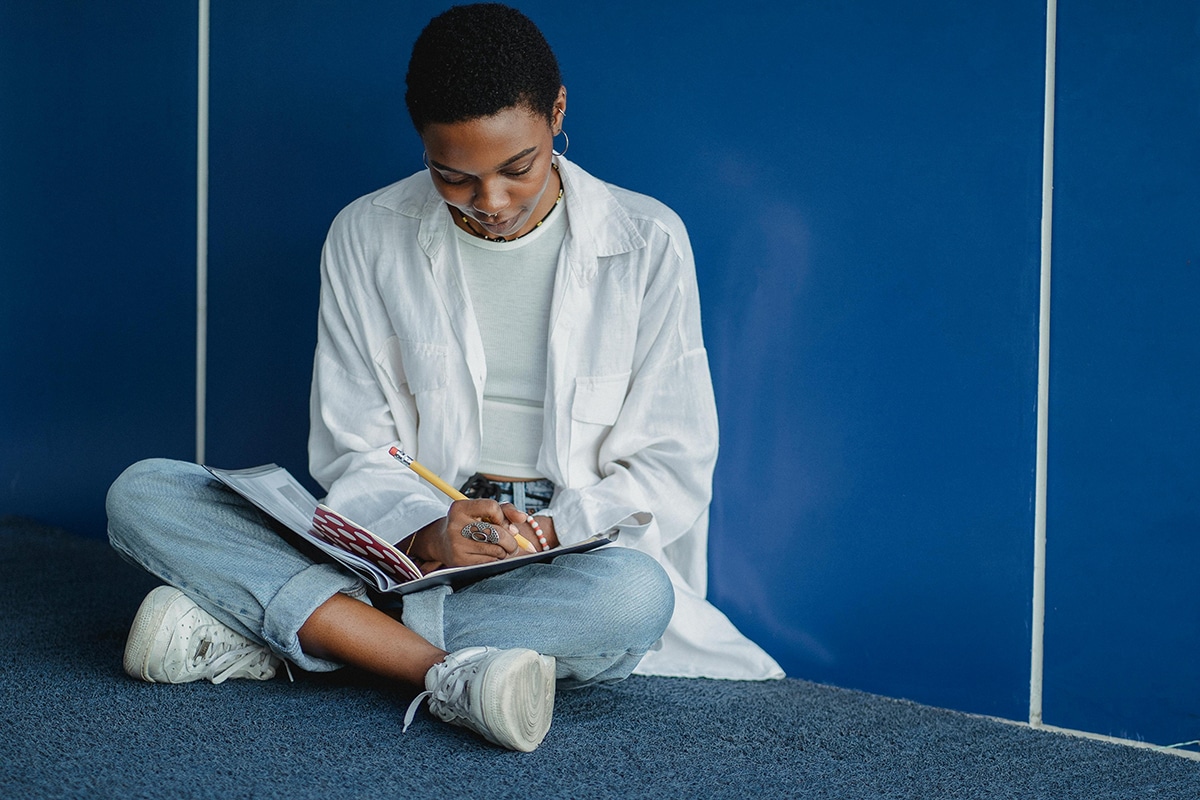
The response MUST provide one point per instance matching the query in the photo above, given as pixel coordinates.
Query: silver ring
(481, 532)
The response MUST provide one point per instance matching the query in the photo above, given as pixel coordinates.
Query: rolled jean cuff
(424, 614)
(296, 601)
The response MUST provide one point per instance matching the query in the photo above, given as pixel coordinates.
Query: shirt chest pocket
(419, 366)
(598, 399)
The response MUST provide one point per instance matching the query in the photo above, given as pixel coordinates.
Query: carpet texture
(73, 725)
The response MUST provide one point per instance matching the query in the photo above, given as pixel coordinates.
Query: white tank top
(511, 284)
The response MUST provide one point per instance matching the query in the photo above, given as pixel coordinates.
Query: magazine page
(275, 490)
(341, 532)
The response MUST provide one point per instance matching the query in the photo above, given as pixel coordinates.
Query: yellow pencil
(445, 488)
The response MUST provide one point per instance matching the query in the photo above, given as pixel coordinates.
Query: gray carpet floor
(73, 725)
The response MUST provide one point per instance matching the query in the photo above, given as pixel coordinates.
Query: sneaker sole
(146, 627)
(519, 692)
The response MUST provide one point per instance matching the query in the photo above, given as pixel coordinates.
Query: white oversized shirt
(630, 427)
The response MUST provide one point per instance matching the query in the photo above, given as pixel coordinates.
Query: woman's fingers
(523, 527)
(479, 531)
(486, 510)
(512, 514)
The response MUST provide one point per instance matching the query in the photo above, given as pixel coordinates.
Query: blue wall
(1123, 559)
(862, 185)
(97, 249)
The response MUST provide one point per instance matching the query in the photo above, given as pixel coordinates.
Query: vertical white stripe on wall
(202, 231)
(1043, 396)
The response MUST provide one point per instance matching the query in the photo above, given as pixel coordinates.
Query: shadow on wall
(761, 341)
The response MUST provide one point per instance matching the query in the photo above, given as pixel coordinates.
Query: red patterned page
(333, 528)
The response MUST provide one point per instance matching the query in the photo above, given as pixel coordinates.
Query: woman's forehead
(485, 144)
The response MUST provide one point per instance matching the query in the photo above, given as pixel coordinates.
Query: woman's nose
(490, 199)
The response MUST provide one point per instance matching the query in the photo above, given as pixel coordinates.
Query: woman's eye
(459, 180)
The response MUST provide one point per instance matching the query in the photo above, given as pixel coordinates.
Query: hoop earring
(566, 139)
(425, 159)
(566, 144)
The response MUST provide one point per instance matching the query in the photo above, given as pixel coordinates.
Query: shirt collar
(592, 210)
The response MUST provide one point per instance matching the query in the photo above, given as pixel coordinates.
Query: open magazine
(276, 492)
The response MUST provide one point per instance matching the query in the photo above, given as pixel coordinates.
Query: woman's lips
(502, 228)
(498, 228)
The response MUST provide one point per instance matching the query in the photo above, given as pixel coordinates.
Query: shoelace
(450, 690)
(248, 660)
(233, 658)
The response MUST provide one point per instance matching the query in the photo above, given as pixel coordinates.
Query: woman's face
(496, 170)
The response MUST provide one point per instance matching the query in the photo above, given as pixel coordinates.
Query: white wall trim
(202, 230)
(1043, 386)
(1174, 749)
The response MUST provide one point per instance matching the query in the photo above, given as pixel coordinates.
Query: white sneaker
(506, 696)
(173, 640)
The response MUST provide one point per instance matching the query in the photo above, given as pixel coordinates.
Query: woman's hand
(442, 541)
(527, 530)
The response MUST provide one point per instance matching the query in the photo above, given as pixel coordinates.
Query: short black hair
(477, 60)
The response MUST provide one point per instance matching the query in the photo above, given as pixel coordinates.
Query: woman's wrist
(545, 528)
(417, 547)
(538, 532)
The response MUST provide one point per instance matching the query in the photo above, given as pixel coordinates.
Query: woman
(522, 329)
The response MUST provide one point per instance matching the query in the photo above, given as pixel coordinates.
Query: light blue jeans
(597, 613)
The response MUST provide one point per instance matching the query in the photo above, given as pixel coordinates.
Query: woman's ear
(560, 110)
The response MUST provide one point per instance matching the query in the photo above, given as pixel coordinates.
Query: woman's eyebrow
(497, 168)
